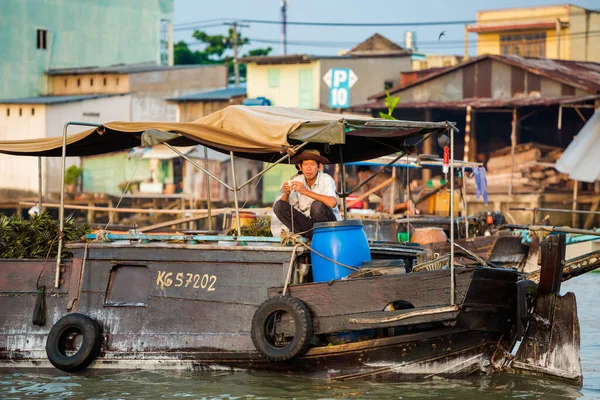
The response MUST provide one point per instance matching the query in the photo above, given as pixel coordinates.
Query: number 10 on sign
(339, 97)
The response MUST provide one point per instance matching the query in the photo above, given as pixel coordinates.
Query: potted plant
(72, 176)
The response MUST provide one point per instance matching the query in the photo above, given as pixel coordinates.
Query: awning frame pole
(208, 202)
(235, 194)
(40, 194)
(195, 164)
(271, 166)
(61, 212)
(452, 278)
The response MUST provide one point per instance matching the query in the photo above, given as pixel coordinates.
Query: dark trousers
(319, 212)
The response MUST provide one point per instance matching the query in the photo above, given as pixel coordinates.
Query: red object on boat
(352, 202)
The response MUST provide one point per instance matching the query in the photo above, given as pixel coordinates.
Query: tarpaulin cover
(261, 133)
(580, 159)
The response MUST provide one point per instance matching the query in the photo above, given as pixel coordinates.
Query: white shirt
(324, 185)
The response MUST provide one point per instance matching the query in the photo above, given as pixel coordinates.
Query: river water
(255, 386)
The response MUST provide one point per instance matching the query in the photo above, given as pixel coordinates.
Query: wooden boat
(201, 302)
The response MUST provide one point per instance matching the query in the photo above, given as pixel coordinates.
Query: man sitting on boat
(382, 183)
(308, 197)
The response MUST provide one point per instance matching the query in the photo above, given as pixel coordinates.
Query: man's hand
(300, 188)
(287, 189)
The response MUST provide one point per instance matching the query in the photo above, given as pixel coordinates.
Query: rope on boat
(288, 238)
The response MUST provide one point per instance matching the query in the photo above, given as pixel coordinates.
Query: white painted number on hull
(197, 281)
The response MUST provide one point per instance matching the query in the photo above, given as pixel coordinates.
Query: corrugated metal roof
(477, 103)
(582, 74)
(122, 69)
(57, 99)
(213, 95)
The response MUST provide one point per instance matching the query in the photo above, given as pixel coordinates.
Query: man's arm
(328, 199)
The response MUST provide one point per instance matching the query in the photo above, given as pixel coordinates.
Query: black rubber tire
(90, 345)
(303, 328)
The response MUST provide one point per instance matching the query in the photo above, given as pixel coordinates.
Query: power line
(191, 25)
(456, 44)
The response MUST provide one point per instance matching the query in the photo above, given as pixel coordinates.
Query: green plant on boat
(72, 175)
(32, 238)
(390, 103)
(260, 227)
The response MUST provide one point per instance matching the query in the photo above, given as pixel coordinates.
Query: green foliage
(72, 174)
(261, 227)
(390, 103)
(31, 238)
(217, 50)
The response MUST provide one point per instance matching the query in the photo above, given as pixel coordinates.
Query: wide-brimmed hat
(310, 155)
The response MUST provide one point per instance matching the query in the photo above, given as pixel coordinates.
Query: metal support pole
(61, 211)
(40, 195)
(236, 66)
(452, 283)
(195, 164)
(574, 208)
(235, 194)
(343, 182)
(466, 203)
(393, 194)
(513, 145)
(208, 203)
(264, 171)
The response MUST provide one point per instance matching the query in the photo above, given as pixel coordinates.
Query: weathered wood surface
(551, 345)
(332, 304)
(340, 323)
(423, 289)
(552, 255)
(20, 276)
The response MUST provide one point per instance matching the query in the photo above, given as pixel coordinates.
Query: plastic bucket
(342, 241)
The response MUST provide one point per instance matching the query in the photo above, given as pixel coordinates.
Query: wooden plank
(552, 256)
(386, 319)
(423, 289)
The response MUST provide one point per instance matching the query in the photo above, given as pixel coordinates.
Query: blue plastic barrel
(341, 241)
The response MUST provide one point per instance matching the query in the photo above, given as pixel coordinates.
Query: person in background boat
(308, 197)
(384, 192)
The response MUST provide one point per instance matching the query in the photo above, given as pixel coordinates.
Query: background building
(42, 35)
(297, 80)
(564, 32)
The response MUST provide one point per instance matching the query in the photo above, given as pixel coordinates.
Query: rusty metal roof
(581, 74)
(477, 103)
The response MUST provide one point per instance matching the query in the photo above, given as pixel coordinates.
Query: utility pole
(236, 66)
(283, 26)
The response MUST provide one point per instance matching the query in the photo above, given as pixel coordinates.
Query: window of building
(273, 77)
(388, 85)
(33, 111)
(20, 112)
(65, 83)
(104, 81)
(8, 112)
(527, 45)
(41, 36)
(423, 65)
(117, 81)
(78, 82)
(91, 81)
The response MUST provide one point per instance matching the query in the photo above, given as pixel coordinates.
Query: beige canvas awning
(261, 133)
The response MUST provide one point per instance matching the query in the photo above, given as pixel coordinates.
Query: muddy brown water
(255, 386)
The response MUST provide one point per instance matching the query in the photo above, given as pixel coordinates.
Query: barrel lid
(332, 224)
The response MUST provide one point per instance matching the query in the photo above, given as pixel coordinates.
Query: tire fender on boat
(60, 341)
(262, 325)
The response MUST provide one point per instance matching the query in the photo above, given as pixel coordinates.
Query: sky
(210, 16)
